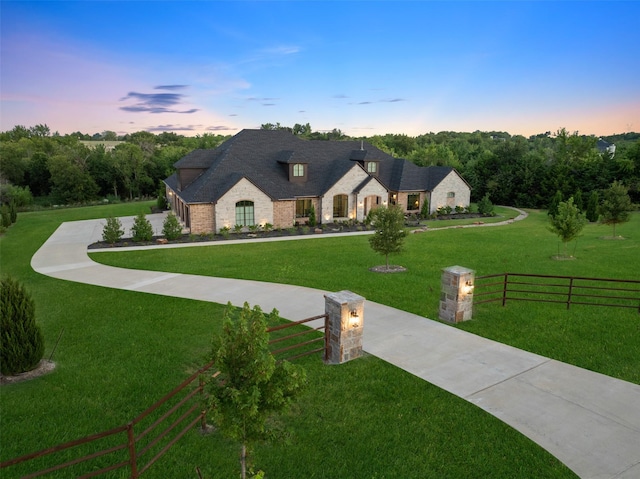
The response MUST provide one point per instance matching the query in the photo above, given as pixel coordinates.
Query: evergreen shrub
(171, 228)
(142, 229)
(112, 231)
(22, 342)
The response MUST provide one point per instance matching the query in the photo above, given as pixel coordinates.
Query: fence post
(345, 318)
(570, 293)
(131, 441)
(504, 288)
(456, 294)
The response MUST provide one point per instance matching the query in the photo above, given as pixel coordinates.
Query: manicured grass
(121, 351)
(601, 339)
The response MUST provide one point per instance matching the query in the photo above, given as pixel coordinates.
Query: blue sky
(365, 67)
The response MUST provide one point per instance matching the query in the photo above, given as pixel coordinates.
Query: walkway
(589, 421)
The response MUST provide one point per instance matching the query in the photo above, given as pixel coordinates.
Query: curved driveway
(589, 421)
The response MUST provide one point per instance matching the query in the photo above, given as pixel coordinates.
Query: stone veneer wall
(452, 182)
(456, 298)
(344, 186)
(244, 190)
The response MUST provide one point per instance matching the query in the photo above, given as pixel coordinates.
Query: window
(340, 206)
(298, 169)
(372, 167)
(303, 206)
(451, 194)
(413, 201)
(244, 213)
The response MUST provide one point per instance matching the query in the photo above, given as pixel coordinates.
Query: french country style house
(272, 177)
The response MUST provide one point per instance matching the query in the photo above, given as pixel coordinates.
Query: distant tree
(389, 234)
(592, 207)
(578, 201)
(567, 223)
(615, 206)
(555, 202)
(142, 229)
(252, 387)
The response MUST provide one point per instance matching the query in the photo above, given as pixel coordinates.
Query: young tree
(21, 337)
(567, 223)
(142, 229)
(252, 387)
(485, 206)
(389, 232)
(615, 206)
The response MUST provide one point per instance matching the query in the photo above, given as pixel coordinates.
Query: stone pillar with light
(345, 311)
(456, 294)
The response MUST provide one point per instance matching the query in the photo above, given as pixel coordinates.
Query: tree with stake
(615, 206)
(252, 387)
(389, 232)
(567, 223)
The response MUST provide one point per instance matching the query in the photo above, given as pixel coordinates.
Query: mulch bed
(189, 238)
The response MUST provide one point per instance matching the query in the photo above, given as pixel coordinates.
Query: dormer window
(372, 167)
(298, 170)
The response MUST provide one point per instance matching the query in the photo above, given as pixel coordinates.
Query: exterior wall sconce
(327, 218)
(467, 288)
(354, 318)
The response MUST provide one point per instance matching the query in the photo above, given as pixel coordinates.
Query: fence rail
(177, 412)
(569, 290)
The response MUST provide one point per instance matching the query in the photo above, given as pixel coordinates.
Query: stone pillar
(345, 312)
(456, 295)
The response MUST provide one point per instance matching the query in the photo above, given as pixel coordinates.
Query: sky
(363, 67)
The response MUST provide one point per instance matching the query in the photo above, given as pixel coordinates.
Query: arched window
(340, 203)
(244, 213)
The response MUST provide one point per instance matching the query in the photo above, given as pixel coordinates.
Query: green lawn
(121, 351)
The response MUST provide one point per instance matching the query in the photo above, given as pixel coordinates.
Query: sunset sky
(364, 67)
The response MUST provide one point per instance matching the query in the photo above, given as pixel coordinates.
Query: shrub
(485, 207)
(112, 231)
(142, 229)
(237, 228)
(162, 202)
(267, 227)
(171, 228)
(459, 209)
(22, 340)
(424, 211)
(6, 216)
(225, 231)
(312, 216)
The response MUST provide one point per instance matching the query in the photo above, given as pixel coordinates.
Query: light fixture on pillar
(467, 288)
(354, 318)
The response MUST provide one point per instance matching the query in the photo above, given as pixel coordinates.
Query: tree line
(511, 170)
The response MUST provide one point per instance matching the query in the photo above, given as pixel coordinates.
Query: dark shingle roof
(262, 156)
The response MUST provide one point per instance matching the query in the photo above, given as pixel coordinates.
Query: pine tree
(21, 340)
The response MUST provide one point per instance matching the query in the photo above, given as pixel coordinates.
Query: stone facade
(456, 294)
(344, 327)
(452, 183)
(344, 186)
(244, 190)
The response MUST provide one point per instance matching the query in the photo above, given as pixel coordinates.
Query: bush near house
(142, 229)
